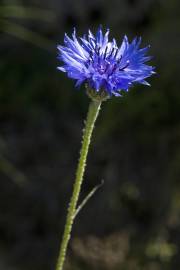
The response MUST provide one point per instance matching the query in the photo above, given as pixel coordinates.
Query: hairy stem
(94, 108)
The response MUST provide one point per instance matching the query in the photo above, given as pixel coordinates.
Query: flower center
(106, 63)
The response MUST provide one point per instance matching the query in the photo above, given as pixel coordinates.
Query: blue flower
(102, 65)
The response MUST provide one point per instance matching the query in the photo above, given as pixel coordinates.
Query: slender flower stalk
(94, 108)
(106, 69)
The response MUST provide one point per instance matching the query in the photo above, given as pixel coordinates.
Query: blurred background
(133, 221)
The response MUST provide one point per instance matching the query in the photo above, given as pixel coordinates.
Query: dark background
(133, 221)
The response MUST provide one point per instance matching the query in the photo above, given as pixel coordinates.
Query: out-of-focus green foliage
(21, 12)
(19, 31)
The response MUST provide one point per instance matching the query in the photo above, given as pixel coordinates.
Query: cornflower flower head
(102, 65)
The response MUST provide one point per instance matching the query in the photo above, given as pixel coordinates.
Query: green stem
(94, 108)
